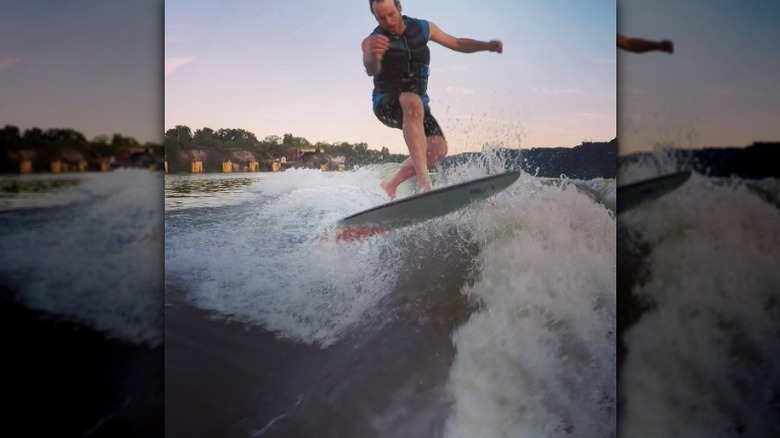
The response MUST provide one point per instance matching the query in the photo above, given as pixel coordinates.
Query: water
(498, 320)
(81, 309)
(493, 321)
(87, 248)
(703, 355)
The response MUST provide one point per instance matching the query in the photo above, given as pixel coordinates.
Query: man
(640, 45)
(396, 54)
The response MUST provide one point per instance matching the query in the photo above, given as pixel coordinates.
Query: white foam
(661, 161)
(539, 358)
(100, 261)
(707, 361)
(265, 264)
(271, 263)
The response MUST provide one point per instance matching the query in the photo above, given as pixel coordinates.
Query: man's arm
(464, 45)
(374, 47)
(640, 45)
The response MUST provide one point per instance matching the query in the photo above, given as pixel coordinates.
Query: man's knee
(412, 105)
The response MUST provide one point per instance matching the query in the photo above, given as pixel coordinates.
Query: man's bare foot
(390, 191)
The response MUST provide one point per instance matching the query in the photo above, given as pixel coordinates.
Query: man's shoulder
(421, 23)
(409, 19)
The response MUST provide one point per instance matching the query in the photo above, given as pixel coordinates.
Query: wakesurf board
(632, 195)
(421, 207)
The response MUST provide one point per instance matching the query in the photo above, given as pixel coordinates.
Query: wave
(704, 354)
(539, 269)
(95, 259)
(538, 358)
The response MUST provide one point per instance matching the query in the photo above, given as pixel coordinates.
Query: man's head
(388, 15)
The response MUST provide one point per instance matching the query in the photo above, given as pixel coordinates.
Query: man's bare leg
(414, 135)
(405, 172)
(436, 150)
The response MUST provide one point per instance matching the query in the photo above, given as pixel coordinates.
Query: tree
(206, 138)
(290, 141)
(10, 138)
(180, 134)
(204, 134)
(236, 135)
(33, 136)
(119, 141)
(66, 139)
(10, 135)
(272, 139)
(100, 139)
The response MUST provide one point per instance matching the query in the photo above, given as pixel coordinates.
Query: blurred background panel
(81, 217)
(697, 255)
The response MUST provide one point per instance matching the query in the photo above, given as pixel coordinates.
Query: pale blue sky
(95, 66)
(274, 67)
(721, 87)
(277, 66)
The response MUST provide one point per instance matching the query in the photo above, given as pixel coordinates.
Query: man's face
(388, 14)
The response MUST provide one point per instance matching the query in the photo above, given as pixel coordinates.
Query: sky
(94, 66)
(139, 67)
(275, 67)
(721, 86)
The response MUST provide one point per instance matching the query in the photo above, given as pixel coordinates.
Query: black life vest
(405, 64)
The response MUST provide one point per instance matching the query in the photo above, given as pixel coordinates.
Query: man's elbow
(372, 70)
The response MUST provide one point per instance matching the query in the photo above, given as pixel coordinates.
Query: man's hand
(374, 48)
(495, 46)
(378, 45)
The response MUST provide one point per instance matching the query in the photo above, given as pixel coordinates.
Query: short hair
(371, 4)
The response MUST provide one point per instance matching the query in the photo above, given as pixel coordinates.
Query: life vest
(405, 63)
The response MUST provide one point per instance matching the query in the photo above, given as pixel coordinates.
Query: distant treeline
(212, 147)
(759, 160)
(43, 146)
(587, 160)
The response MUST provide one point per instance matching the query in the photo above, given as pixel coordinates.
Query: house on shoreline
(27, 161)
(204, 160)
